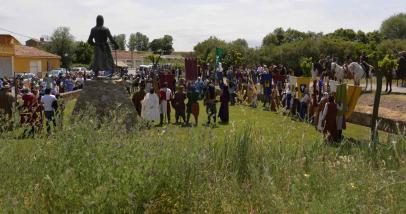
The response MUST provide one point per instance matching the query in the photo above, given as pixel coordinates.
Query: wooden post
(374, 129)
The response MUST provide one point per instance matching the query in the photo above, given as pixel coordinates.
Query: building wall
(6, 50)
(22, 64)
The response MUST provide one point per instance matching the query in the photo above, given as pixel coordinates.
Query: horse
(338, 72)
(317, 70)
(354, 68)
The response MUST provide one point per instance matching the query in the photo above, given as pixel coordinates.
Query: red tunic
(330, 127)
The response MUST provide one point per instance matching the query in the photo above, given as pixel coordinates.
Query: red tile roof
(25, 51)
(126, 55)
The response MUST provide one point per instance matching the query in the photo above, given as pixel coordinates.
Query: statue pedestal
(109, 99)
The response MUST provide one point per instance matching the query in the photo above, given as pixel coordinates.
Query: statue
(102, 58)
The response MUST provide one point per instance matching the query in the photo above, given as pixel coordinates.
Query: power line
(19, 34)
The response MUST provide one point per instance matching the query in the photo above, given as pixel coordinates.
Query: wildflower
(353, 185)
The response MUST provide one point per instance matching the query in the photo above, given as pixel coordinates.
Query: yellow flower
(353, 185)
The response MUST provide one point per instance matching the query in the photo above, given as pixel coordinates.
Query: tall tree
(141, 42)
(162, 45)
(83, 52)
(132, 42)
(62, 44)
(167, 44)
(205, 51)
(394, 27)
(275, 38)
(132, 45)
(121, 42)
(156, 45)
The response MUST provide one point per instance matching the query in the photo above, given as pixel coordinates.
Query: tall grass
(95, 167)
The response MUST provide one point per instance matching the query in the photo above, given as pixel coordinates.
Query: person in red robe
(31, 112)
(330, 120)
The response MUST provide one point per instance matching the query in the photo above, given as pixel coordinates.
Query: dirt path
(392, 106)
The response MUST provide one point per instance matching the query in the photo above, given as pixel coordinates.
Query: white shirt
(47, 100)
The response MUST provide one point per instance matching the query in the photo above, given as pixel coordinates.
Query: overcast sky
(191, 21)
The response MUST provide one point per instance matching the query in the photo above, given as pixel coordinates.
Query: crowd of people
(35, 99)
(267, 84)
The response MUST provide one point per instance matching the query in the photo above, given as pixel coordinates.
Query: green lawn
(260, 162)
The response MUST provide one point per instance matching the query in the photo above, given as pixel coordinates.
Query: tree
(387, 64)
(141, 42)
(83, 52)
(120, 40)
(344, 34)
(292, 35)
(205, 51)
(231, 58)
(306, 64)
(162, 45)
(394, 27)
(156, 45)
(132, 43)
(361, 37)
(62, 44)
(275, 38)
(154, 59)
(167, 44)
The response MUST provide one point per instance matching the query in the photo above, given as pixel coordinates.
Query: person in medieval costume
(138, 97)
(210, 102)
(150, 107)
(363, 60)
(329, 119)
(319, 112)
(102, 58)
(304, 104)
(178, 103)
(192, 106)
(224, 99)
(295, 104)
(6, 102)
(165, 96)
(313, 107)
(6, 107)
(401, 70)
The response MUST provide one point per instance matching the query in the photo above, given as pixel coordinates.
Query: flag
(219, 55)
(191, 71)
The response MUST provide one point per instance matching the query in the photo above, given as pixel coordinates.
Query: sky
(192, 21)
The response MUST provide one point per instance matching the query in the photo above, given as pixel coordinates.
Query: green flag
(219, 55)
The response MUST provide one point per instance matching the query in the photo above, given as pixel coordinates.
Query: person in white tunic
(165, 95)
(150, 106)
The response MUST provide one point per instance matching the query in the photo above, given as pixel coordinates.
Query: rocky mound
(108, 98)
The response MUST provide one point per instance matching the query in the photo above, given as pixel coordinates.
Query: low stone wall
(384, 124)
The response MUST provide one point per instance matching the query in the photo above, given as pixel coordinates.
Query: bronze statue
(102, 58)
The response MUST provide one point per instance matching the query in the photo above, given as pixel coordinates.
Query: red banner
(191, 71)
(168, 78)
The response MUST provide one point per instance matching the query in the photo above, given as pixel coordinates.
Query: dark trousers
(211, 111)
(50, 117)
(180, 114)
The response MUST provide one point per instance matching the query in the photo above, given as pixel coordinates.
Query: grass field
(260, 162)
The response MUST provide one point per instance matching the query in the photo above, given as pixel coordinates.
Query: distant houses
(17, 58)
